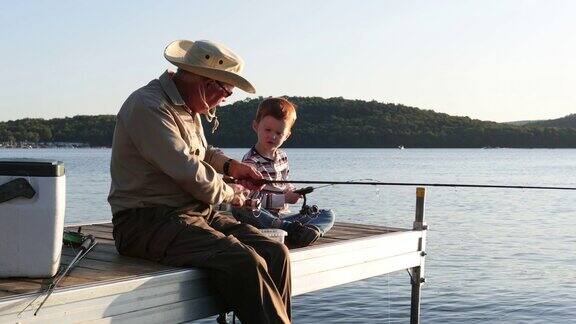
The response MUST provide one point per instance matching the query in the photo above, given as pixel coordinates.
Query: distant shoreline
(31, 145)
(322, 122)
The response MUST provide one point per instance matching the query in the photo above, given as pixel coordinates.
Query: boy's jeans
(323, 220)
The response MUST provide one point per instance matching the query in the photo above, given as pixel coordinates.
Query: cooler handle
(19, 187)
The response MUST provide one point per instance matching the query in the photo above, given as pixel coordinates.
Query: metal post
(417, 273)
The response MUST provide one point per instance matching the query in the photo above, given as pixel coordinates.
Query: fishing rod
(411, 184)
(312, 209)
(86, 244)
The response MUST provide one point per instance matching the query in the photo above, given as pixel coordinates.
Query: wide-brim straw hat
(209, 59)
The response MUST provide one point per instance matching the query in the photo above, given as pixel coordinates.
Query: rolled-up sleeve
(216, 158)
(156, 136)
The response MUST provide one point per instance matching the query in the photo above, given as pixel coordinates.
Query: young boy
(273, 122)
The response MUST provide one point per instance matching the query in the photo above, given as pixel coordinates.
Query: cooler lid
(31, 167)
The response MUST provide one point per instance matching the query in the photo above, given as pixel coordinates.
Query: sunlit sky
(488, 59)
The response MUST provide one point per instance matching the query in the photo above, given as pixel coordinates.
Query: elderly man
(165, 180)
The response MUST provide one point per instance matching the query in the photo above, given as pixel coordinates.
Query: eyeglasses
(227, 93)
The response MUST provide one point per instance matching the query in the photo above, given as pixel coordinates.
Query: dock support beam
(417, 273)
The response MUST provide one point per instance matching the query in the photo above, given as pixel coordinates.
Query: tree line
(332, 122)
(564, 122)
(96, 131)
(338, 122)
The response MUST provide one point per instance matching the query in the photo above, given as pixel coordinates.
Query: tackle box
(32, 204)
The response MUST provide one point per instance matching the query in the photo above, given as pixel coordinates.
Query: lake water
(494, 255)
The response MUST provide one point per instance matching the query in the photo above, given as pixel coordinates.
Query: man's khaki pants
(250, 271)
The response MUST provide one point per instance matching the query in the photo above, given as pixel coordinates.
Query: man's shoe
(302, 235)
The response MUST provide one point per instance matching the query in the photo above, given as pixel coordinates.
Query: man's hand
(291, 197)
(239, 195)
(246, 174)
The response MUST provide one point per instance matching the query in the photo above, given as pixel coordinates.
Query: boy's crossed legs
(303, 229)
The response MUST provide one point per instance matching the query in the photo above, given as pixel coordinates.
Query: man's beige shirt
(160, 155)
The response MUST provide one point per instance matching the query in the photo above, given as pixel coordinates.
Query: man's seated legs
(251, 272)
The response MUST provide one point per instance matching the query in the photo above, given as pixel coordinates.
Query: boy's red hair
(279, 108)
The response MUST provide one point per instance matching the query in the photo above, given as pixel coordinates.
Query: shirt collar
(169, 87)
(262, 156)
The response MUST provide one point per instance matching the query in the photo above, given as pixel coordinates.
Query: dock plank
(107, 287)
(104, 263)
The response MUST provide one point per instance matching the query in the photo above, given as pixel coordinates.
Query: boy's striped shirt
(272, 195)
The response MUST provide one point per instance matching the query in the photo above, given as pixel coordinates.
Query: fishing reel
(307, 210)
(75, 239)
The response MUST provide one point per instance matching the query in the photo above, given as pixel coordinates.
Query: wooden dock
(107, 287)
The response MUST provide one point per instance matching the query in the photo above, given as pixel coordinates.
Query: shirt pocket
(195, 144)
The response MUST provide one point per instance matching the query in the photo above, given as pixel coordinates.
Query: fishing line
(382, 204)
(389, 299)
(349, 181)
(324, 186)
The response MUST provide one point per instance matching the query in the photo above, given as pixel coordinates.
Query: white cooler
(32, 203)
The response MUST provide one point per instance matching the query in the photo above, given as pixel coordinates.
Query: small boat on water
(401, 147)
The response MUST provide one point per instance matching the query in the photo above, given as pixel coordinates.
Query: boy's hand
(239, 195)
(291, 197)
(245, 174)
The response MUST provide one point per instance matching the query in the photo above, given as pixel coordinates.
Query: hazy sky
(492, 60)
